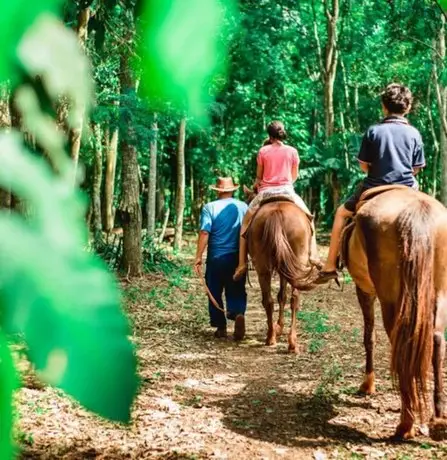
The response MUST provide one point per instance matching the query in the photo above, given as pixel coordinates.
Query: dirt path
(203, 398)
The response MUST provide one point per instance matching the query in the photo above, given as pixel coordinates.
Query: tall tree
(441, 97)
(330, 64)
(181, 184)
(75, 131)
(152, 185)
(96, 182)
(129, 207)
(111, 151)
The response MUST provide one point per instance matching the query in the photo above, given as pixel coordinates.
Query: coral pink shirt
(277, 160)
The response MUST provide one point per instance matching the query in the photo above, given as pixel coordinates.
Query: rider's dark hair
(276, 130)
(397, 98)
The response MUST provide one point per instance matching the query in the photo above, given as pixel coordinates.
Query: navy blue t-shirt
(222, 219)
(392, 149)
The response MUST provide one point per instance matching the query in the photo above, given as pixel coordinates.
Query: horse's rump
(279, 240)
(398, 230)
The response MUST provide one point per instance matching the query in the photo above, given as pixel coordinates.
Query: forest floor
(208, 399)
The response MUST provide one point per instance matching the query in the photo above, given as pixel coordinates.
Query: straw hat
(224, 184)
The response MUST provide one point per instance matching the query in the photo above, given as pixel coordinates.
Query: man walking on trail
(220, 224)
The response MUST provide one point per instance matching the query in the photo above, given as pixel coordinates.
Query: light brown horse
(279, 241)
(398, 254)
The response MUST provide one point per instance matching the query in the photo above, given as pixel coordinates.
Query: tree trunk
(165, 224)
(435, 140)
(16, 203)
(96, 184)
(181, 182)
(441, 97)
(347, 98)
(330, 66)
(5, 123)
(75, 131)
(152, 184)
(130, 209)
(109, 181)
(192, 195)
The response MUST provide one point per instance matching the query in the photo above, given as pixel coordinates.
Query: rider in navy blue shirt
(392, 152)
(220, 225)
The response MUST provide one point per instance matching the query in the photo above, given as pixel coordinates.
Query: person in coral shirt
(277, 170)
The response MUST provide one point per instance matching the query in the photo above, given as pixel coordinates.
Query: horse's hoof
(438, 429)
(270, 343)
(293, 349)
(404, 432)
(368, 387)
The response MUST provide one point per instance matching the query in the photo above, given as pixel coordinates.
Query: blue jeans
(219, 278)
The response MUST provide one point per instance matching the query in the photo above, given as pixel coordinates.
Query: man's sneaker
(239, 328)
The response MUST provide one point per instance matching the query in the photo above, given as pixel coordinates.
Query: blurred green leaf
(7, 387)
(51, 51)
(182, 50)
(15, 19)
(59, 296)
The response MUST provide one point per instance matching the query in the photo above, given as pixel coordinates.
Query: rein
(208, 292)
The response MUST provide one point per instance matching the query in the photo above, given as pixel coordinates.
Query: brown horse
(398, 254)
(279, 241)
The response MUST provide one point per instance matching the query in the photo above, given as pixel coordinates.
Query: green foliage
(16, 18)
(50, 275)
(56, 295)
(7, 387)
(181, 50)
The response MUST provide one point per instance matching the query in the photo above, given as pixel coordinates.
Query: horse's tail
(412, 334)
(279, 252)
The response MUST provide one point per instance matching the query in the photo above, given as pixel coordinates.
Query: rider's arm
(417, 170)
(364, 166)
(367, 153)
(295, 166)
(295, 174)
(259, 175)
(418, 158)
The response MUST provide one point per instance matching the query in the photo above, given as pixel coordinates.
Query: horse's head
(249, 194)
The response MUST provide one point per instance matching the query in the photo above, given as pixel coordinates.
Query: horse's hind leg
(439, 354)
(366, 302)
(294, 304)
(265, 281)
(438, 424)
(282, 299)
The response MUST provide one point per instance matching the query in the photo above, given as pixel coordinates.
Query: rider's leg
(314, 256)
(339, 223)
(241, 269)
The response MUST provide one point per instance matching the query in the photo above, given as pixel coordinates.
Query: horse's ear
(247, 191)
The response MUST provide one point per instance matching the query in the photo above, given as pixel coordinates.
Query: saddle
(376, 191)
(366, 196)
(274, 199)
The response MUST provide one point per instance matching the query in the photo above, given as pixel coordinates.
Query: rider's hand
(198, 265)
